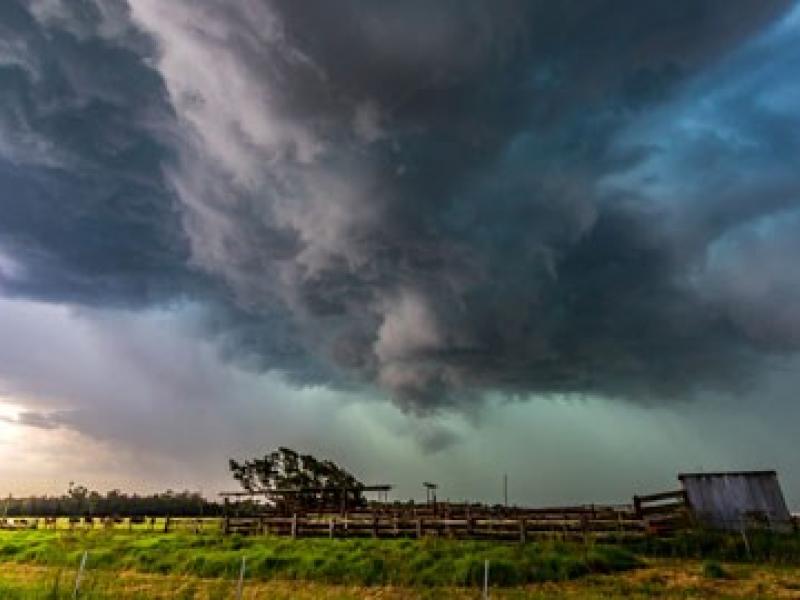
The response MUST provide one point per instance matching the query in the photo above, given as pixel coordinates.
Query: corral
(659, 514)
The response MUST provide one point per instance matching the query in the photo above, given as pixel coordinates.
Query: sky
(429, 240)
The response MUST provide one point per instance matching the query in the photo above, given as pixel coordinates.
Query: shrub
(713, 570)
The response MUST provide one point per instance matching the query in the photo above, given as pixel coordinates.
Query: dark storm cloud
(84, 206)
(88, 217)
(439, 199)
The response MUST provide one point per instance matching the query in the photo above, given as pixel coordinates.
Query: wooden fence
(663, 513)
(515, 525)
(654, 514)
(452, 521)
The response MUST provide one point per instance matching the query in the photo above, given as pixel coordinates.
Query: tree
(299, 480)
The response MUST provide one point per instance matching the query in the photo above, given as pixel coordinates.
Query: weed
(713, 570)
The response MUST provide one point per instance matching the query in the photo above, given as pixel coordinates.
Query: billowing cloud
(437, 199)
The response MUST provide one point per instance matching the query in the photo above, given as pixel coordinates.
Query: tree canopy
(298, 479)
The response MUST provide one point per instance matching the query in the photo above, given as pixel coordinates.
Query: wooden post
(79, 576)
(331, 527)
(486, 579)
(637, 507)
(523, 531)
(166, 524)
(419, 528)
(226, 519)
(585, 537)
(294, 526)
(743, 528)
(374, 525)
(241, 580)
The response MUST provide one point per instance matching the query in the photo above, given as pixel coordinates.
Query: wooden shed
(737, 499)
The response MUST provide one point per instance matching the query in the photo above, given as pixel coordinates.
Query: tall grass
(759, 546)
(428, 562)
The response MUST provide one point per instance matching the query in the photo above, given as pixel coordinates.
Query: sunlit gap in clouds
(9, 413)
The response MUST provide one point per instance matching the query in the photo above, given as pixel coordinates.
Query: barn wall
(723, 500)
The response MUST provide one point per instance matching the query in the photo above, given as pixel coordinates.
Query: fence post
(419, 528)
(166, 524)
(637, 506)
(331, 526)
(486, 579)
(241, 580)
(523, 530)
(294, 526)
(744, 536)
(79, 576)
(584, 528)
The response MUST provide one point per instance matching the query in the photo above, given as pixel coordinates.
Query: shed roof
(728, 500)
(766, 473)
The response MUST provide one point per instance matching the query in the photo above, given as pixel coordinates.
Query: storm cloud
(438, 200)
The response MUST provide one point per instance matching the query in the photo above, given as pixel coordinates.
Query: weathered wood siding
(737, 499)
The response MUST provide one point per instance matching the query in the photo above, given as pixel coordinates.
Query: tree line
(79, 501)
(283, 479)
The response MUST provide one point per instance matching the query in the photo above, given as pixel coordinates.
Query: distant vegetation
(283, 469)
(80, 501)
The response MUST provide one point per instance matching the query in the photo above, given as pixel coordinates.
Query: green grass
(713, 570)
(762, 547)
(427, 562)
(665, 579)
(179, 563)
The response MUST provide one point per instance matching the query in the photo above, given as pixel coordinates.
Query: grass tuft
(714, 570)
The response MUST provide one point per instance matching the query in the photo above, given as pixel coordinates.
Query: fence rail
(512, 528)
(450, 521)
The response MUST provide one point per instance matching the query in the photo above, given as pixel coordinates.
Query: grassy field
(660, 578)
(43, 564)
(351, 561)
